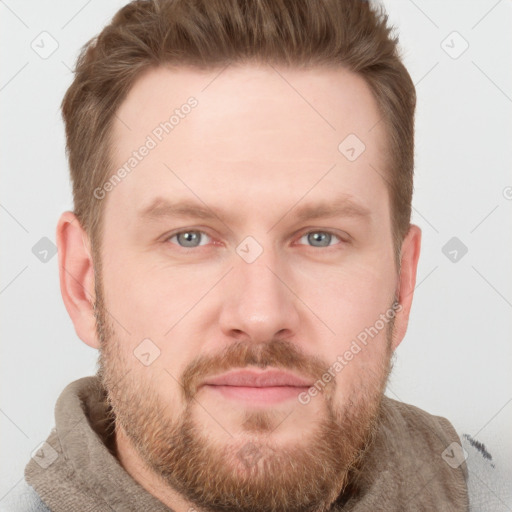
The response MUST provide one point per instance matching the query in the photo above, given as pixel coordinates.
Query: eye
(188, 239)
(192, 238)
(320, 238)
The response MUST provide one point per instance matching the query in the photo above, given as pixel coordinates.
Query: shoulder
(23, 498)
(488, 487)
(417, 422)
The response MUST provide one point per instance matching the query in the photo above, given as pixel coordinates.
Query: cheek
(151, 308)
(149, 300)
(351, 297)
(356, 303)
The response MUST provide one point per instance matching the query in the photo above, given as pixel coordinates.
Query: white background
(456, 358)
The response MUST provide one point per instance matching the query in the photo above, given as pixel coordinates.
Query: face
(245, 301)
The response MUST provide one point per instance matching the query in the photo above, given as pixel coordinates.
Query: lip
(258, 379)
(261, 388)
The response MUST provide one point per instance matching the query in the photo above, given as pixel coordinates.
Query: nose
(259, 304)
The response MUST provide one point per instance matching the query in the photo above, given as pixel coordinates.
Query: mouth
(262, 387)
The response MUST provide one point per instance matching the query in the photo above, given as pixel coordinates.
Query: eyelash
(168, 238)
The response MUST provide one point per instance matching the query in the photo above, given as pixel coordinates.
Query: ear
(409, 256)
(77, 276)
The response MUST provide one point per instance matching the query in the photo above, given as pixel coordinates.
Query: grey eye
(319, 238)
(189, 238)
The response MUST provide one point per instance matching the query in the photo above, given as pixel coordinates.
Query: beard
(250, 471)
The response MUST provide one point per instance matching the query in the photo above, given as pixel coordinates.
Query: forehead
(248, 132)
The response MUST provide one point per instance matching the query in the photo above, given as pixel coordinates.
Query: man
(241, 255)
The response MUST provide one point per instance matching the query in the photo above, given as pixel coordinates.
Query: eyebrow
(165, 208)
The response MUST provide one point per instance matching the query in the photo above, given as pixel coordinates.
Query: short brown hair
(212, 33)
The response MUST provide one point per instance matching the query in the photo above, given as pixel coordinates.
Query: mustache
(279, 354)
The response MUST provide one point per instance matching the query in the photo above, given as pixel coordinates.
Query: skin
(257, 157)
